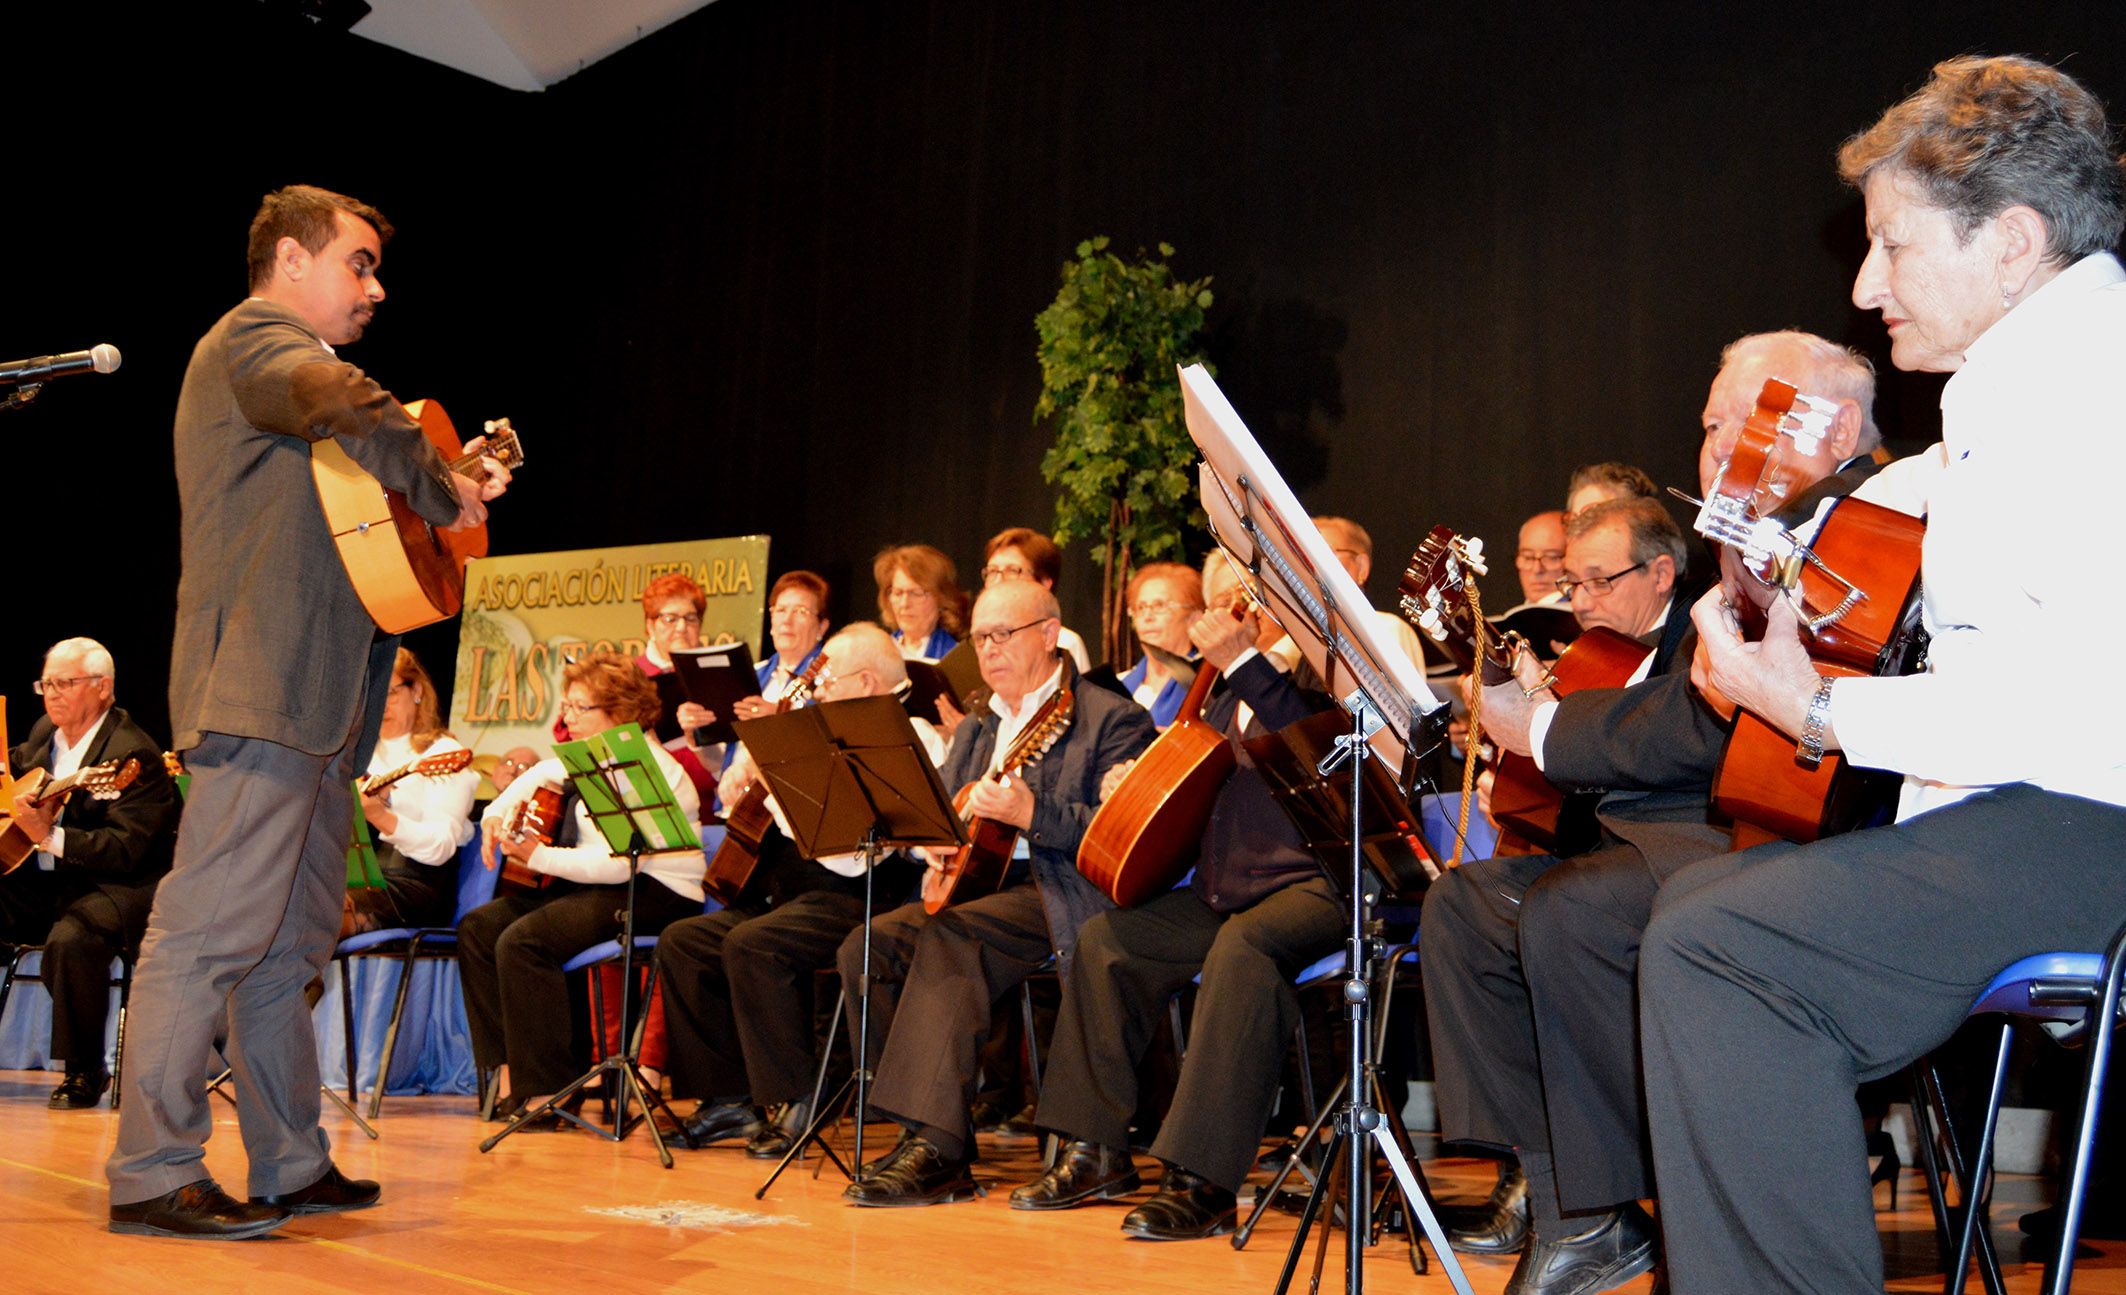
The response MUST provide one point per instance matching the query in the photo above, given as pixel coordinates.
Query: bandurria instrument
(440, 765)
(1438, 597)
(103, 782)
(748, 821)
(978, 868)
(408, 572)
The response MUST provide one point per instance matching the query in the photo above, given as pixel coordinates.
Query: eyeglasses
(46, 686)
(906, 595)
(1596, 585)
(673, 620)
(1535, 560)
(569, 708)
(1158, 607)
(828, 678)
(998, 638)
(996, 571)
(514, 766)
(793, 612)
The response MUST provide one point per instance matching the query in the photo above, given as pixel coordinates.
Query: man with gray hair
(738, 982)
(85, 894)
(1531, 960)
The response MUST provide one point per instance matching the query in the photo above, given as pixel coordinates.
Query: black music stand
(851, 776)
(633, 805)
(1289, 569)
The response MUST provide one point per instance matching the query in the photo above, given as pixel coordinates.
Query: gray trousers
(1773, 981)
(246, 918)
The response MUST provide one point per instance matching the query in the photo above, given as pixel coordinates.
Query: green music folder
(620, 758)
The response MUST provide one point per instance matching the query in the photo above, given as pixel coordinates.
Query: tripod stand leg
(631, 1083)
(348, 1107)
(1322, 1188)
(530, 1113)
(1306, 1141)
(1419, 1204)
(823, 1118)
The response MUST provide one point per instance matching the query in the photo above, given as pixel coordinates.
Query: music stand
(627, 796)
(851, 776)
(1289, 569)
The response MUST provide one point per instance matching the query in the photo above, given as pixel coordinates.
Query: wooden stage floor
(568, 1212)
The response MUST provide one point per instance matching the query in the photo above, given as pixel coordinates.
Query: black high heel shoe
(1888, 1167)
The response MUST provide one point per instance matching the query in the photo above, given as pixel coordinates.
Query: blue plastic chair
(2075, 998)
(408, 945)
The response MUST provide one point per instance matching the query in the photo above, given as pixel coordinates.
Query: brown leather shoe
(916, 1173)
(1084, 1171)
(1187, 1207)
(330, 1194)
(201, 1210)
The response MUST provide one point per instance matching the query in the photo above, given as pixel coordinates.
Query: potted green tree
(1121, 462)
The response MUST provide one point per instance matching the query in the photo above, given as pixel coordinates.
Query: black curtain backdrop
(775, 268)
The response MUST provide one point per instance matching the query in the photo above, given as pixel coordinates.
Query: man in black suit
(949, 970)
(1529, 957)
(84, 895)
(1259, 909)
(277, 683)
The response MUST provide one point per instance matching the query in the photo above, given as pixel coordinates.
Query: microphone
(100, 359)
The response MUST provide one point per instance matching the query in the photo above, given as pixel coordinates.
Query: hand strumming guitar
(473, 495)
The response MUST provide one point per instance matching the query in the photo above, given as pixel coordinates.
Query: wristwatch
(1808, 752)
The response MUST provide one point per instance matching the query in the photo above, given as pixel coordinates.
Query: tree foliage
(1122, 462)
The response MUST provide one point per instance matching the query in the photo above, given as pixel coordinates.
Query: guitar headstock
(442, 764)
(503, 444)
(800, 690)
(1439, 597)
(1046, 728)
(1759, 477)
(105, 781)
(172, 765)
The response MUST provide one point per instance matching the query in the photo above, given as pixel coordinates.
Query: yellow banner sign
(528, 614)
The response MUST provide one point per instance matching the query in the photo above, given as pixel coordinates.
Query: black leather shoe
(1085, 1171)
(1499, 1226)
(781, 1133)
(81, 1090)
(1617, 1248)
(330, 1194)
(201, 1210)
(914, 1173)
(720, 1122)
(1185, 1208)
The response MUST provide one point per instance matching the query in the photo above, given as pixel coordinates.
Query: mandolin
(1856, 589)
(408, 572)
(747, 822)
(440, 765)
(1439, 597)
(1144, 835)
(979, 867)
(101, 782)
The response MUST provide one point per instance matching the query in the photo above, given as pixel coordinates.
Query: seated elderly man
(85, 894)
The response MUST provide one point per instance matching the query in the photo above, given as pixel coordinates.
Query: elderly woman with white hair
(1771, 982)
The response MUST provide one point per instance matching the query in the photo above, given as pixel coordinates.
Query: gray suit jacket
(272, 642)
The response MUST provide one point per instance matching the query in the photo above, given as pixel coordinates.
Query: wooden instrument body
(440, 765)
(1522, 800)
(1760, 782)
(536, 819)
(104, 781)
(1144, 835)
(979, 867)
(746, 823)
(407, 572)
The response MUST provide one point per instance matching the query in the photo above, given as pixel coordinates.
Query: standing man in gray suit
(277, 683)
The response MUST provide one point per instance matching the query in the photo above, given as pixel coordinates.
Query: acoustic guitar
(101, 782)
(408, 572)
(746, 823)
(1438, 597)
(1856, 589)
(1144, 835)
(535, 819)
(979, 867)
